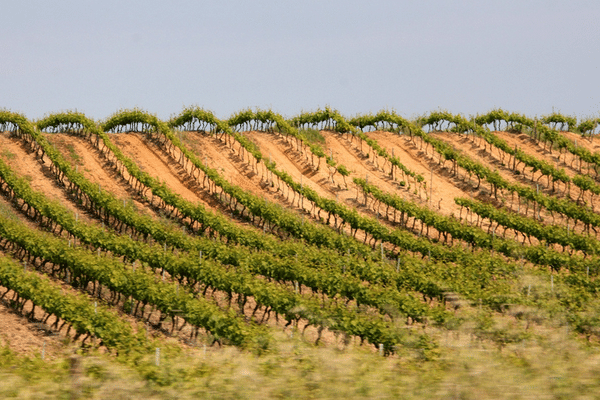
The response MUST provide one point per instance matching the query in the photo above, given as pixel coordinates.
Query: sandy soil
(155, 164)
(158, 164)
(289, 159)
(359, 164)
(444, 186)
(89, 163)
(492, 159)
(377, 171)
(499, 160)
(39, 177)
(24, 336)
(219, 156)
(529, 146)
(297, 165)
(592, 144)
(286, 157)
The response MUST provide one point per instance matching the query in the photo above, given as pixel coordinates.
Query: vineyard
(439, 250)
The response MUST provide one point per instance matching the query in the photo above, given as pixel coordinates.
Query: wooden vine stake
(431, 186)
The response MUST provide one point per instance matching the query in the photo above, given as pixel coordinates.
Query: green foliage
(471, 167)
(382, 120)
(8, 155)
(194, 118)
(88, 269)
(588, 126)
(370, 281)
(553, 120)
(531, 227)
(514, 121)
(312, 136)
(428, 348)
(328, 119)
(342, 170)
(77, 310)
(372, 330)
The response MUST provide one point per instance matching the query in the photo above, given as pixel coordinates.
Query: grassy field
(546, 362)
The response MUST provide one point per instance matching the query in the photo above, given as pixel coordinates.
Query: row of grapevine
(332, 208)
(198, 218)
(289, 248)
(426, 251)
(193, 270)
(271, 121)
(284, 220)
(403, 240)
(548, 135)
(389, 121)
(84, 317)
(583, 182)
(462, 125)
(474, 236)
(383, 120)
(553, 204)
(243, 197)
(528, 227)
(439, 253)
(84, 267)
(413, 315)
(516, 121)
(199, 271)
(328, 118)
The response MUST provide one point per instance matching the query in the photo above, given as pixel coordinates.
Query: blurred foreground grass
(548, 364)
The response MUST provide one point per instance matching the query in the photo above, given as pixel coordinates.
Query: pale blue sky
(356, 56)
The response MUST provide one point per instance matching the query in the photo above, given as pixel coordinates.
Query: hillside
(467, 249)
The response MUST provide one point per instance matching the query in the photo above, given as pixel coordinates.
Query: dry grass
(550, 363)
